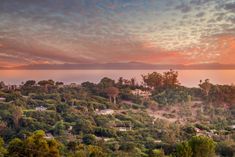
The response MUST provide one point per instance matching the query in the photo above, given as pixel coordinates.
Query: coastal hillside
(157, 118)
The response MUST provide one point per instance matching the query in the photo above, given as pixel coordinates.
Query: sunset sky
(107, 31)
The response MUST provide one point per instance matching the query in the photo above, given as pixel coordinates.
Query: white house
(41, 108)
(139, 92)
(26, 97)
(157, 141)
(232, 127)
(11, 87)
(123, 129)
(105, 112)
(73, 85)
(49, 136)
(2, 99)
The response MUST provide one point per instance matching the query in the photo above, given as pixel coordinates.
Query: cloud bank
(100, 31)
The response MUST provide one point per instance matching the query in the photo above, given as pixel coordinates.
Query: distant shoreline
(122, 66)
(125, 69)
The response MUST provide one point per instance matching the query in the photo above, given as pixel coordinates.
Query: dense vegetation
(157, 118)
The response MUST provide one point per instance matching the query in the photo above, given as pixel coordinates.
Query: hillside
(116, 118)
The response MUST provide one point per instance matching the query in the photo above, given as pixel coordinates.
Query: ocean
(189, 78)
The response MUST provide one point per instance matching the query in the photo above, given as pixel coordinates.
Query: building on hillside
(26, 97)
(60, 86)
(73, 85)
(139, 92)
(210, 133)
(123, 129)
(105, 112)
(70, 128)
(40, 108)
(2, 99)
(11, 87)
(226, 106)
(232, 127)
(157, 141)
(49, 136)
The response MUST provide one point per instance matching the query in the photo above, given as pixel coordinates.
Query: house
(70, 130)
(41, 108)
(200, 132)
(49, 136)
(103, 139)
(105, 112)
(139, 92)
(60, 86)
(232, 127)
(226, 106)
(2, 85)
(26, 97)
(107, 139)
(157, 141)
(123, 129)
(73, 85)
(11, 87)
(2, 99)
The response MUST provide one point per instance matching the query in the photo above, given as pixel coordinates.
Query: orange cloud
(226, 45)
(151, 53)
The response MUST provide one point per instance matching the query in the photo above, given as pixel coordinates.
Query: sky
(108, 31)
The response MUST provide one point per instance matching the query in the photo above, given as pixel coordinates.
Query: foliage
(75, 118)
(183, 150)
(3, 151)
(156, 80)
(36, 145)
(157, 153)
(202, 146)
(173, 95)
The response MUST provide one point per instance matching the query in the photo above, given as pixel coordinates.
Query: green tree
(3, 151)
(183, 150)
(46, 82)
(89, 151)
(59, 128)
(226, 148)
(156, 80)
(153, 80)
(106, 82)
(2, 85)
(202, 146)
(157, 153)
(83, 125)
(3, 126)
(90, 87)
(89, 139)
(34, 146)
(170, 78)
(16, 148)
(30, 83)
(59, 83)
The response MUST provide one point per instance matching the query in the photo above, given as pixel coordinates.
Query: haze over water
(189, 78)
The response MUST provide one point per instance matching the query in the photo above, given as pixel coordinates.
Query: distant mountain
(2, 68)
(123, 66)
